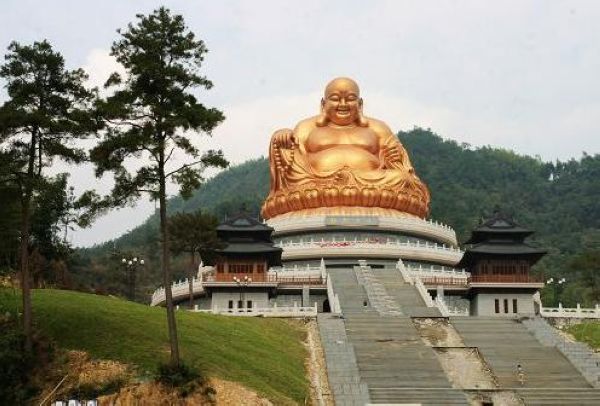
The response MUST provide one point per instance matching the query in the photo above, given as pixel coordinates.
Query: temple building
(406, 316)
(499, 261)
(344, 195)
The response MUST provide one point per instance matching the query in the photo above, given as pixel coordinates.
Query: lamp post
(559, 283)
(242, 283)
(131, 265)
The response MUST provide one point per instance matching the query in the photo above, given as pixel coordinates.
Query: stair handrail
(423, 292)
(334, 300)
(441, 305)
(404, 272)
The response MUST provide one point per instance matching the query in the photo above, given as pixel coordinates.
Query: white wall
(483, 304)
(221, 299)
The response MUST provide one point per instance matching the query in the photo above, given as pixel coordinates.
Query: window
(240, 304)
(240, 268)
(515, 306)
(260, 268)
(249, 304)
(505, 305)
(220, 268)
(230, 305)
(497, 305)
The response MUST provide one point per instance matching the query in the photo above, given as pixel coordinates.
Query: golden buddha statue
(341, 162)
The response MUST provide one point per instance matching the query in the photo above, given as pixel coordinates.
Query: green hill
(560, 200)
(266, 355)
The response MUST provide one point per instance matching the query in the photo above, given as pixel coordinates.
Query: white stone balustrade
(179, 289)
(364, 249)
(284, 274)
(414, 225)
(571, 312)
(275, 311)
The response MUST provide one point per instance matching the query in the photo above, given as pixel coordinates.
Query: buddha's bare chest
(325, 138)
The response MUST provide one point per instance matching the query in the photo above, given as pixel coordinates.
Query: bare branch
(182, 168)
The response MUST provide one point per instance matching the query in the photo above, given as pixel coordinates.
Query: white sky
(520, 74)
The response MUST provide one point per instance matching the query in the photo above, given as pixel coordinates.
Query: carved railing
(334, 300)
(367, 244)
(506, 278)
(416, 225)
(266, 278)
(275, 311)
(571, 312)
(414, 251)
(178, 289)
(424, 293)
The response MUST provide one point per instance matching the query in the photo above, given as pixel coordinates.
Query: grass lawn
(588, 332)
(264, 354)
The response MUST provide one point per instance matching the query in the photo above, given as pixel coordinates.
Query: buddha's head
(341, 104)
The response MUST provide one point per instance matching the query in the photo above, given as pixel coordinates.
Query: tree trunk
(27, 192)
(25, 277)
(164, 231)
(191, 278)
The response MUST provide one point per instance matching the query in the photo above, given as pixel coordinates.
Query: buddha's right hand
(284, 138)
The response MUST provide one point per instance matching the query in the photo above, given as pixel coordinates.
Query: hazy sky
(519, 74)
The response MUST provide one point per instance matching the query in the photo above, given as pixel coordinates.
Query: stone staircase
(342, 372)
(550, 379)
(375, 354)
(404, 294)
(581, 356)
(392, 359)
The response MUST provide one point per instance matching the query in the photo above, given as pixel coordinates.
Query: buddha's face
(342, 102)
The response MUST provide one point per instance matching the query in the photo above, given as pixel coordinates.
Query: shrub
(184, 378)
(16, 365)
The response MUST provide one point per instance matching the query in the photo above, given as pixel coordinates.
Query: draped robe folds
(292, 172)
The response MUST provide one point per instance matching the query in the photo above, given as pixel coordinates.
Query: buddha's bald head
(341, 104)
(342, 84)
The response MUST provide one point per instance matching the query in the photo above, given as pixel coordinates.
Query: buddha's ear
(362, 121)
(322, 119)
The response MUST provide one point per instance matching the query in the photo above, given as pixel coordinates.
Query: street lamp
(131, 265)
(560, 286)
(242, 283)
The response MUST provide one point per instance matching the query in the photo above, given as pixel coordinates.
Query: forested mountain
(560, 200)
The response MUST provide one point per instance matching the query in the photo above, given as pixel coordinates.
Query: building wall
(221, 299)
(203, 302)
(288, 299)
(456, 302)
(484, 304)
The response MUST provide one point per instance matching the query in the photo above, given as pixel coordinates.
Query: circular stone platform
(379, 237)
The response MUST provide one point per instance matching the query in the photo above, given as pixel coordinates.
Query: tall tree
(47, 109)
(193, 233)
(150, 115)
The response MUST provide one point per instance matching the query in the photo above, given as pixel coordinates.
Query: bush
(16, 365)
(184, 378)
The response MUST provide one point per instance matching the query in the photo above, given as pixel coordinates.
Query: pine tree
(150, 115)
(48, 109)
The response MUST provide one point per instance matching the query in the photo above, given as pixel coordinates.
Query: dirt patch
(234, 394)
(216, 392)
(114, 383)
(320, 394)
(465, 368)
(502, 398)
(438, 332)
(76, 376)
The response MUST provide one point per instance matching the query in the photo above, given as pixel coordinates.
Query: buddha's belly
(340, 156)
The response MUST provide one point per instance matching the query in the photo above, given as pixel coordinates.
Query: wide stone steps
(426, 397)
(562, 396)
(391, 357)
(504, 343)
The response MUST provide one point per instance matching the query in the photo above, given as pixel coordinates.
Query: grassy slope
(264, 354)
(588, 332)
